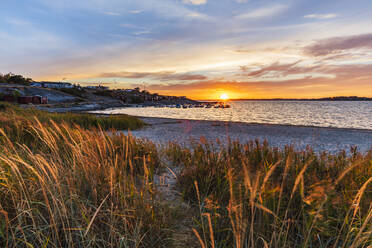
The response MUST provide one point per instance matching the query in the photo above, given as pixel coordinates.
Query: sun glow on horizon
(224, 97)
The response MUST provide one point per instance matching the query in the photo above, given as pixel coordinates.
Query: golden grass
(257, 196)
(63, 185)
(70, 187)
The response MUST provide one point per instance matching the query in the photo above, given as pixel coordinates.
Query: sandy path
(182, 229)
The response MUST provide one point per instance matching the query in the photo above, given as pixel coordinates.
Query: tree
(2, 79)
(11, 78)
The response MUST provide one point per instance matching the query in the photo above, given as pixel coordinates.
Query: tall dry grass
(252, 195)
(63, 186)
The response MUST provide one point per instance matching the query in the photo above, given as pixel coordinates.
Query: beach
(333, 140)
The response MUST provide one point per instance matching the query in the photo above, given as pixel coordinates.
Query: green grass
(12, 113)
(73, 91)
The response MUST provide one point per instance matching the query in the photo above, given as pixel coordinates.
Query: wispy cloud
(136, 11)
(197, 15)
(339, 44)
(321, 16)
(142, 32)
(162, 76)
(111, 13)
(18, 22)
(195, 2)
(263, 12)
(331, 71)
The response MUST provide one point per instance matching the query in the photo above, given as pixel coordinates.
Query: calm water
(323, 114)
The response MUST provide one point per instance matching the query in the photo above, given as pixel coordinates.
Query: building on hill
(36, 84)
(25, 99)
(9, 98)
(52, 85)
(39, 99)
(99, 87)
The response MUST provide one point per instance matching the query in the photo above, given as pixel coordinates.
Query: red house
(9, 98)
(36, 99)
(40, 100)
(44, 100)
(25, 99)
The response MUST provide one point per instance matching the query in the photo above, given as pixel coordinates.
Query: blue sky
(200, 48)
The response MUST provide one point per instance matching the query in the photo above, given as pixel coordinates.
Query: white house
(36, 85)
(99, 87)
(52, 85)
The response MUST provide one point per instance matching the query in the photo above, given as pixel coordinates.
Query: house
(44, 100)
(52, 85)
(25, 99)
(39, 99)
(9, 98)
(36, 99)
(99, 87)
(36, 84)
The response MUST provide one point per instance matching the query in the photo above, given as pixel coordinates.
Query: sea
(337, 114)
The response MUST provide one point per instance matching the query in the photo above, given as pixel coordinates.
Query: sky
(195, 48)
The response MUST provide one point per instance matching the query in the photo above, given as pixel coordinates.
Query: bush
(11, 78)
(107, 93)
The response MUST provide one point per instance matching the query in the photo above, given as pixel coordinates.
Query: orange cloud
(163, 76)
(339, 44)
(343, 83)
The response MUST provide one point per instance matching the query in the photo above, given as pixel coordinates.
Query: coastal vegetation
(76, 91)
(11, 78)
(64, 186)
(65, 182)
(253, 195)
(12, 115)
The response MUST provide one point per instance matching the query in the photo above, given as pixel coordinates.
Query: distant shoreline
(334, 99)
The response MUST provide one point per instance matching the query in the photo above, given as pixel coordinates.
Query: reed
(258, 196)
(65, 186)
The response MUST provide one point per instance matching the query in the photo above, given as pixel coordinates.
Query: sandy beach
(162, 130)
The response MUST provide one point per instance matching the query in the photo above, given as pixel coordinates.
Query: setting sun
(224, 97)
